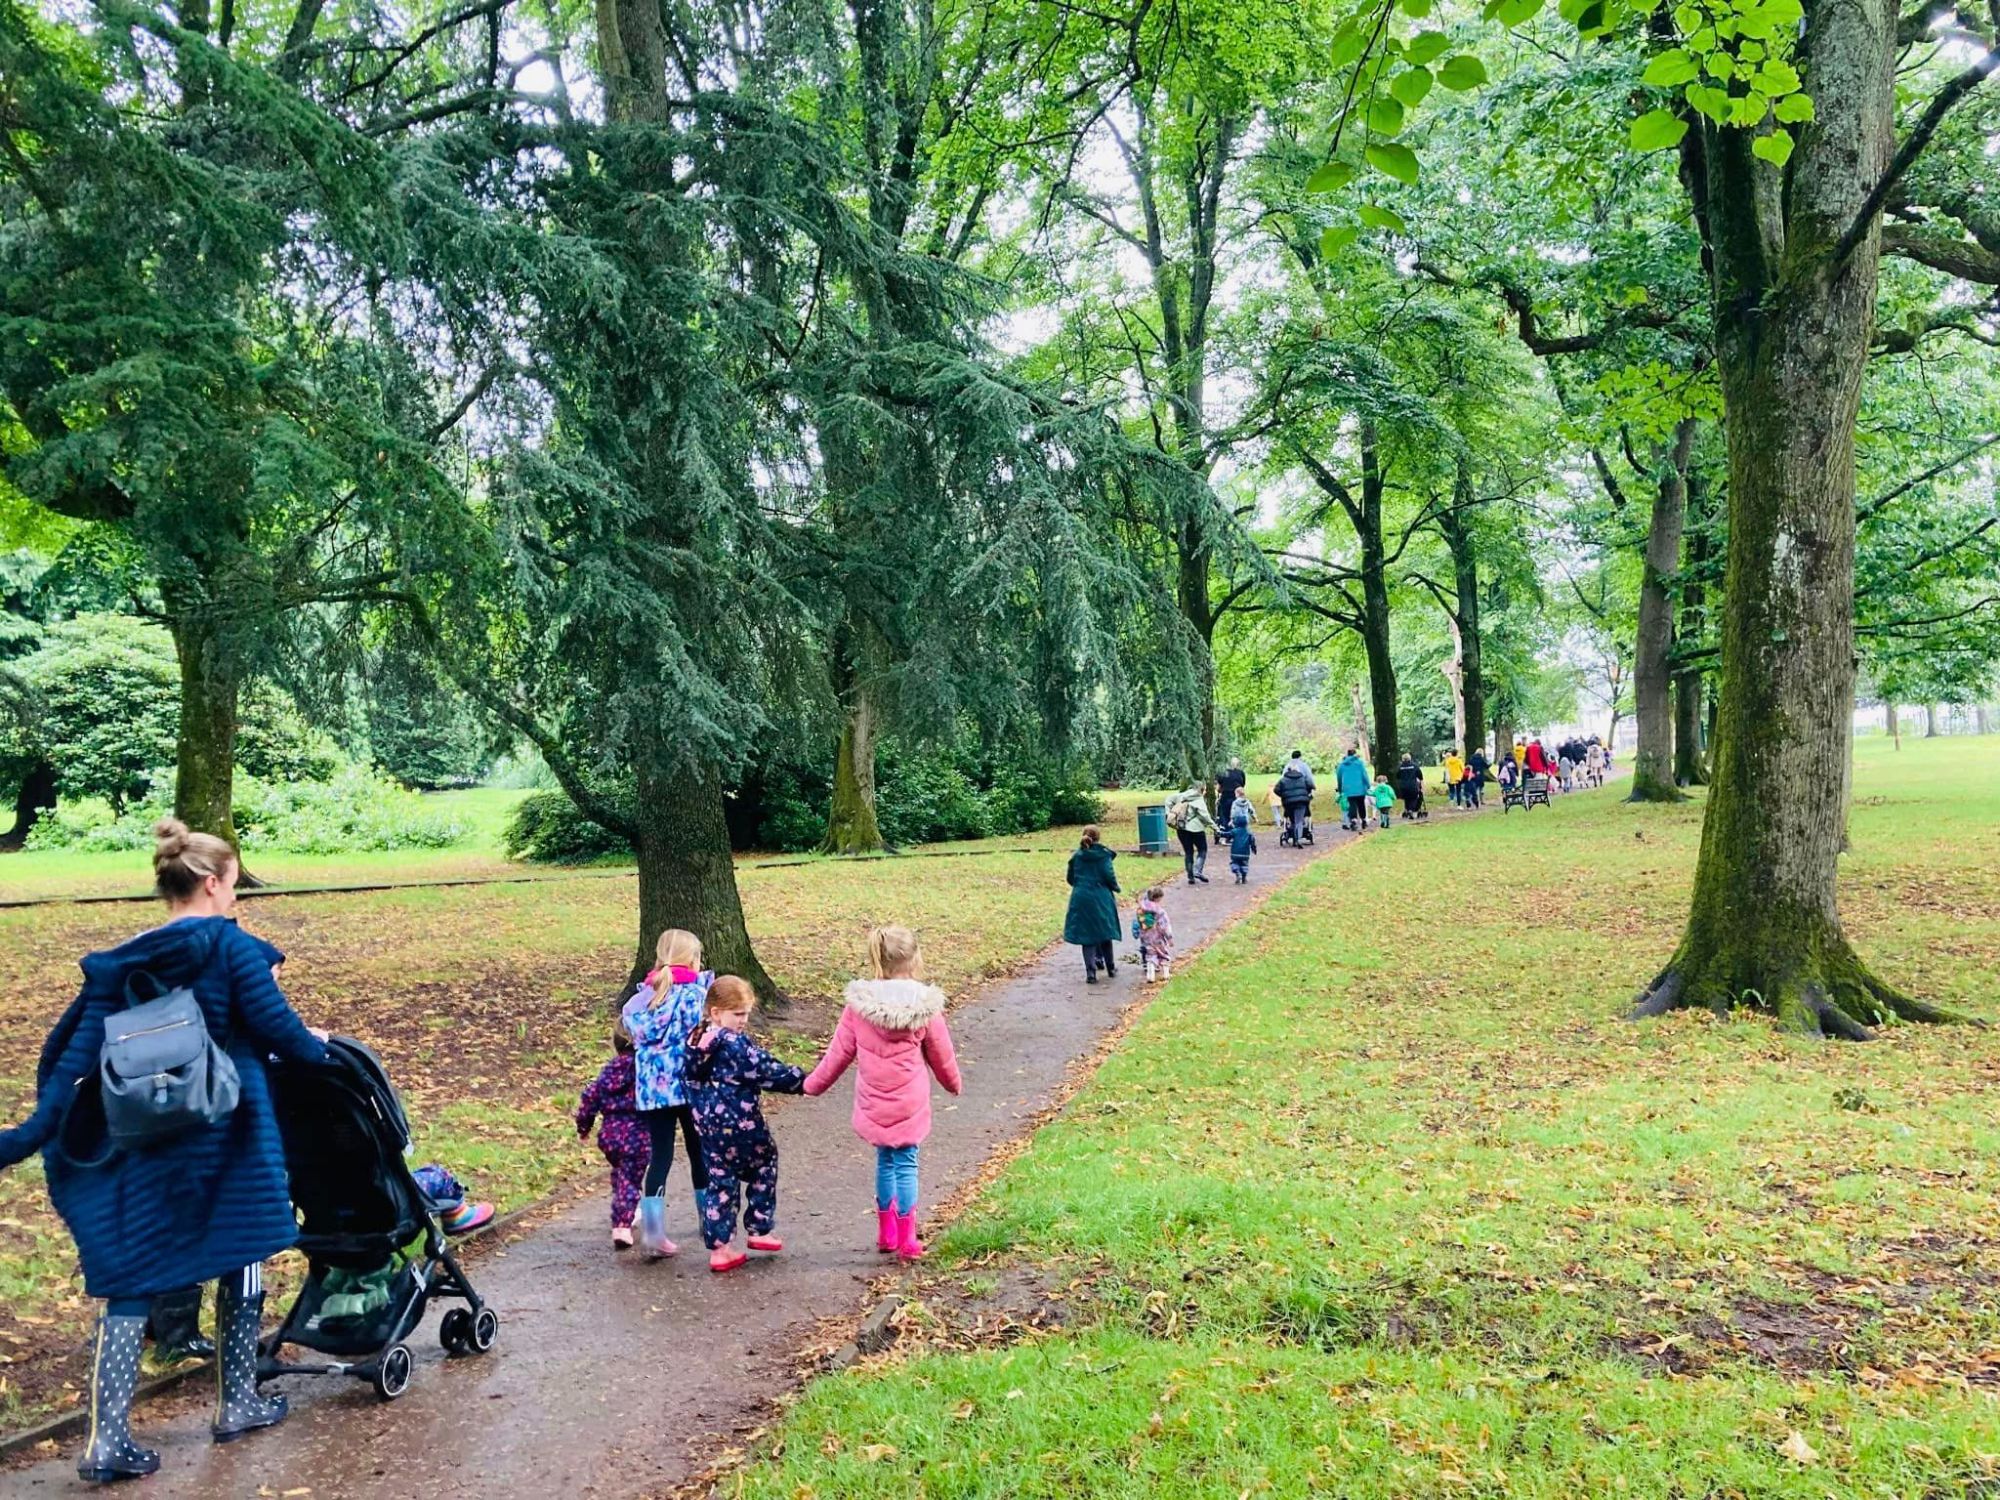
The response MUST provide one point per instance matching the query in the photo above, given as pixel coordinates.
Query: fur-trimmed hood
(896, 1004)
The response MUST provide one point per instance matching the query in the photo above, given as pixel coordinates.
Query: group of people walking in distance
(1364, 800)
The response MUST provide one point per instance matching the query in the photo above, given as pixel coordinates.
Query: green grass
(1382, 1198)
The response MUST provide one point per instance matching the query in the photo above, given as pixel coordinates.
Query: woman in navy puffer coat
(212, 1203)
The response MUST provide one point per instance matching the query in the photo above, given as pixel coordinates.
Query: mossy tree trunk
(205, 768)
(851, 826)
(1794, 298)
(1652, 660)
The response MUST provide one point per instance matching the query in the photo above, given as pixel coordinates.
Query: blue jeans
(896, 1177)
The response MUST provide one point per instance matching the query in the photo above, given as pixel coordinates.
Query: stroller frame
(398, 1213)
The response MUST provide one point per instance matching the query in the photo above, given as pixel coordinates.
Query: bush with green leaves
(547, 828)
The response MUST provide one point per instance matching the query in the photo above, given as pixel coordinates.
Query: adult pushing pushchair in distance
(1295, 793)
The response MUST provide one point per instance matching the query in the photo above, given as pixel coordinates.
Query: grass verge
(1382, 1198)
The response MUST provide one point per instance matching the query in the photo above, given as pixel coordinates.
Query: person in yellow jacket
(1454, 775)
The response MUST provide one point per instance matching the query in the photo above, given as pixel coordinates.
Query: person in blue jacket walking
(1351, 777)
(211, 1203)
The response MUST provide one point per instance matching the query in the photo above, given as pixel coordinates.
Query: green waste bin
(1153, 829)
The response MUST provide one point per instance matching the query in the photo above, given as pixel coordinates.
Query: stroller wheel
(392, 1375)
(485, 1329)
(455, 1330)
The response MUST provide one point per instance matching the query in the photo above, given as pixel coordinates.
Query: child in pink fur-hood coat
(893, 1027)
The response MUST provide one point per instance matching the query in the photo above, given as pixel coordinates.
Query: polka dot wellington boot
(114, 1373)
(239, 1318)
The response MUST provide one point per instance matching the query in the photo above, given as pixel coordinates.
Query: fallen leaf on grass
(874, 1453)
(1798, 1450)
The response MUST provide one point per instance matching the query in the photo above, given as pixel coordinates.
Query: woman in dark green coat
(1092, 923)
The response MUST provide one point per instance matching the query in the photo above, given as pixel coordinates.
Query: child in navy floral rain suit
(726, 1072)
(612, 1101)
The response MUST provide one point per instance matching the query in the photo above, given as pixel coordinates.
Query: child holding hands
(726, 1074)
(660, 1017)
(894, 1026)
(610, 1100)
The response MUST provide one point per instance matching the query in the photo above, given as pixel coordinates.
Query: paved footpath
(613, 1377)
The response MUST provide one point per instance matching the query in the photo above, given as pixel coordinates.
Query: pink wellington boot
(887, 1236)
(908, 1246)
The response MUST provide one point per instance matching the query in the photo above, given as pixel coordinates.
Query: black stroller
(367, 1229)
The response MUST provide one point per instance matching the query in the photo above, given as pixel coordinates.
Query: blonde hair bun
(184, 859)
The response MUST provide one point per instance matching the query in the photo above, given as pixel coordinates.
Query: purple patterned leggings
(625, 1145)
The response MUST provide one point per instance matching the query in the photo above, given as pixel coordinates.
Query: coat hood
(174, 953)
(896, 1004)
(1090, 854)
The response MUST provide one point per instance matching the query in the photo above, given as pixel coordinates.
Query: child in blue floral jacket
(726, 1073)
(660, 1017)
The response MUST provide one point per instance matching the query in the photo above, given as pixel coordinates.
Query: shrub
(548, 828)
(88, 825)
(355, 810)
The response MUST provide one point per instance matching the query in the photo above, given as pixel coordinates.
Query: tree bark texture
(1931, 730)
(687, 875)
(1375, 606)
(1453, 667)
(1458, 540)
(851, 826)
(205, 770)
(1690, 758)
(1793, 324)
(1895, 725)
(1652, 660)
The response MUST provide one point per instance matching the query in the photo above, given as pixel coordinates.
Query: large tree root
(1835, 997)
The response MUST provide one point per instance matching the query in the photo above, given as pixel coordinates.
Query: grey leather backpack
(160, 1071)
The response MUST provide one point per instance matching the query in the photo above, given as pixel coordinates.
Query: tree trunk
(1652, 661)
(850, 820)
(1895, 725)
(1690, 768)
(205, 769)
(851, 826)
(1361, 746)
(1931, 730)
(36, 796)
(687, 876)
(1453, 668)
(1690, 761)
(1191, 593)
(1465, 580)
(1503, 735)
(1375, 607)
(1982, 724)
(1792, 333)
